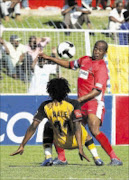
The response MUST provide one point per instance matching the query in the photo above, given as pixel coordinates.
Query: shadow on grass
(55, 24)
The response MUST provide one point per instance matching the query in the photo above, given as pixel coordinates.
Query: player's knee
(94, 130)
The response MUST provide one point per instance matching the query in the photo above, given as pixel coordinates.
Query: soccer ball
(66, 50)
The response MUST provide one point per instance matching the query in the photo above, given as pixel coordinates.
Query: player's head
(100, 49)
(58, 89)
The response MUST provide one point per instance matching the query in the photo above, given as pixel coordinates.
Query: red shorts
(94, 107)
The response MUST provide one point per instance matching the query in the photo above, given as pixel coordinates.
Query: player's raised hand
(19, 151)
(82, 155)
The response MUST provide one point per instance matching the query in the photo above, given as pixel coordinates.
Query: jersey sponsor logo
(78, 113)
(10, 133)
(99, 85)
(83, 74)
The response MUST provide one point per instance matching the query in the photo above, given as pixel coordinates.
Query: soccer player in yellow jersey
(64, 127)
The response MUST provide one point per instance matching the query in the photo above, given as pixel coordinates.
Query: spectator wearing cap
(16, 55)
(124, 37)
(75, 16)
(8, 7)
(116, 17)
(5, 60)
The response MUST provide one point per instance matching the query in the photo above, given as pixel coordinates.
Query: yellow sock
(92, 148)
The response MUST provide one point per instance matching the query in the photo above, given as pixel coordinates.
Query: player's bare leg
(91, 146)
(94, 125)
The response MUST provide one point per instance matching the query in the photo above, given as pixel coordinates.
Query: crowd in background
(21, 60)
(11, 8)
(74, 15)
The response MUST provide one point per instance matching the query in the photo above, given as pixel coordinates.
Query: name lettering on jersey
(60, 114)
(83, 74)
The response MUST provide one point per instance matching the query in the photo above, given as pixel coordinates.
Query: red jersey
(93, 74)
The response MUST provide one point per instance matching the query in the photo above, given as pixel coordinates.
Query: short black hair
(119, 2)
(32, 37)
(72, 2)
(58, 88)
(104, 42)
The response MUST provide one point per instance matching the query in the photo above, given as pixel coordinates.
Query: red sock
(61, 153)
(103, 140)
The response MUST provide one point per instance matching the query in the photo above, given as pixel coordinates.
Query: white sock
(48, 152)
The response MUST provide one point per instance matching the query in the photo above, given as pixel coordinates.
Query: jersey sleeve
(40, 114)
(75, 64)
(76, 113)
(101, 77)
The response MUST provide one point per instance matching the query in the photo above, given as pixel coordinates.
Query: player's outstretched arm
(30, 131)
(78, 135)
(58, 61)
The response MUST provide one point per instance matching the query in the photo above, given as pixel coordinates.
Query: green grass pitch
(27, 166)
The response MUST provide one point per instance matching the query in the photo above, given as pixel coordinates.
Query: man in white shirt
(16, 57)
(41, 73)
(75, 16)
(116, 17)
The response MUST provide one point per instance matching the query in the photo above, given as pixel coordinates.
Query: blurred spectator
(108, 5)
(87, 3)
(0, 12)
(75, 16)
(1, 28)
(5, 60)
(25, 4)
(127, 6)
(8, 7)
(41, 74)
(116, 17)
(36, 45)
(105, 5)
(124, 37)
(116, 1)
(16, 58)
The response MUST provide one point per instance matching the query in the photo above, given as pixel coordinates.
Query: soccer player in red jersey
(92, 80)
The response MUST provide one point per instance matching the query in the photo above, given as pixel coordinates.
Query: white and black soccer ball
(66, 50)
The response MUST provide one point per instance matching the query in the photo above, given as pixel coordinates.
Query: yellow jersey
(62, 116)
